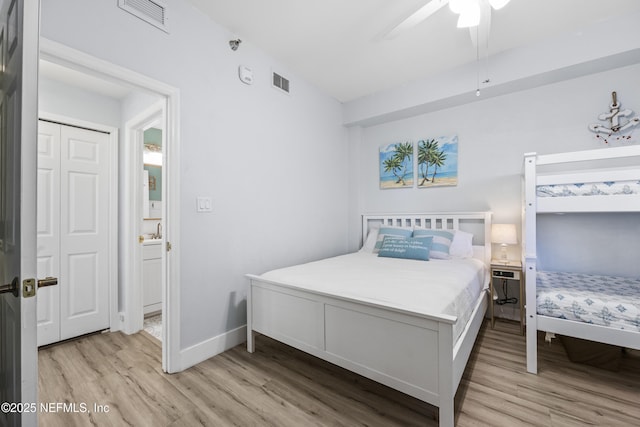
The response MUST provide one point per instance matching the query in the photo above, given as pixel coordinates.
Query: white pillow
(461, 245)
(370, 243)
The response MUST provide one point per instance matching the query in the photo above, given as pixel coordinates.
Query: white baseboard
(202, 351)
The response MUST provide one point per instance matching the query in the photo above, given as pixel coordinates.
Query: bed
(375, 316)
(593, 307)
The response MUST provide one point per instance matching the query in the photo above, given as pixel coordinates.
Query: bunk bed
(400, 322)
(600, 180)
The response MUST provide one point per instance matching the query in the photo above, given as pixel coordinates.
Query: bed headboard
(477, 223)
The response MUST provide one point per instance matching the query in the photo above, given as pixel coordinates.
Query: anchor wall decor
(619, 121)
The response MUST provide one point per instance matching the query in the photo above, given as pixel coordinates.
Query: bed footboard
(409, 353)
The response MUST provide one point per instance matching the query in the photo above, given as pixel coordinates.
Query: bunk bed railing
(530, 258)
(587, 155)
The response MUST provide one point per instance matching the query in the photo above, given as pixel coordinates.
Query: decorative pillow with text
(406, 247)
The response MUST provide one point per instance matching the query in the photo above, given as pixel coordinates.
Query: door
(19, 34)
(48, 231)
(73, 231)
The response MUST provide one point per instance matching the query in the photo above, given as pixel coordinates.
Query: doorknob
(11, 287)
(47, 281)
(140, 238)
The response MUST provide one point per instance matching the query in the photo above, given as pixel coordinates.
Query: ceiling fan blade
(415, 18)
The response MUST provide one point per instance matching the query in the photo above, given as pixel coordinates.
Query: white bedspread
(430, 288)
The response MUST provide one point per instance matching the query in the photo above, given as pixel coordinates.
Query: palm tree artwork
(438, 162)
(425, 152)
(396, 165)
(438, 159)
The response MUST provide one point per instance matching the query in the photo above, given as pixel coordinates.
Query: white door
(73, 231)
(18, 129)
(48, 231)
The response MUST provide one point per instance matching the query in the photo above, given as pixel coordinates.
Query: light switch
(204, 204)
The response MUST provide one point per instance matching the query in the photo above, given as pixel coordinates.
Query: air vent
(153, 12)
(280, 82)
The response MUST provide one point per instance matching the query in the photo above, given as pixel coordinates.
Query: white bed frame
(415, 354)
(606, 203)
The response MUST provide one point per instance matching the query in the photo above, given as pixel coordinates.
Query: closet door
(84, 231)
(48, 231)
(73, 231)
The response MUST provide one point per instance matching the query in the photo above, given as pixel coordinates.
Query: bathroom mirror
(152, 158)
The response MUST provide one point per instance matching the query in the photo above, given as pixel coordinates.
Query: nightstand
(510, 271)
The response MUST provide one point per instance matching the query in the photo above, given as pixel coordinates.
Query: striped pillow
(441, 241)
(390, 231)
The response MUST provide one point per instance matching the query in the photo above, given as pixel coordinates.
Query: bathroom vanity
(152, 275)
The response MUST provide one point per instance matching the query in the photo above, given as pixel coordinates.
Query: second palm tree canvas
(396, 165)
(438, 162)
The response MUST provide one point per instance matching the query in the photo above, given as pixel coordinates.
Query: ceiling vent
(153, 12)
(280, 82)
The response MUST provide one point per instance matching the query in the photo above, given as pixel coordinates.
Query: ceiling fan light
(470, 16)
(498, 4)
(457, 6)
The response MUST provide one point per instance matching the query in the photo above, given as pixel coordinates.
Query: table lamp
(504, 234)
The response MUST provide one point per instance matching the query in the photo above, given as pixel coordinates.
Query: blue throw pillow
(406, 247)
(390, 231)
(441, 241)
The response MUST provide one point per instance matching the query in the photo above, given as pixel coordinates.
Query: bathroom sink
(150, 239)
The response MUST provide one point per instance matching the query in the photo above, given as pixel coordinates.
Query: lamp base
(503, 254)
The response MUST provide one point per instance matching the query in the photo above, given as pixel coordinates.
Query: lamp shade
(504, 234)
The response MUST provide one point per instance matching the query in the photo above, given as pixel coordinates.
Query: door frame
(113, 203)
(133, 128)
(28, 113)
(75, 59)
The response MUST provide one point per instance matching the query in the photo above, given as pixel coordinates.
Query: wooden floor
(279, 386)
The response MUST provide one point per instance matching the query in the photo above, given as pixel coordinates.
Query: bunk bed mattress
(429, 288)
(605, 188)
(602, 300)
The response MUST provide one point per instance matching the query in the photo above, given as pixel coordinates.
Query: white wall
(493, 136)
(135, 103)
(610, 245)
(274, 164)
(59, 98)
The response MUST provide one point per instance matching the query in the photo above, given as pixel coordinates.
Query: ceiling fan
(472, 13)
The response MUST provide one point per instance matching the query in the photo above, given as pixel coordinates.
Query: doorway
(145, 144)
(130, 189)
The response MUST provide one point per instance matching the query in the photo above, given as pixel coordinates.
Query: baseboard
(202, 351)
